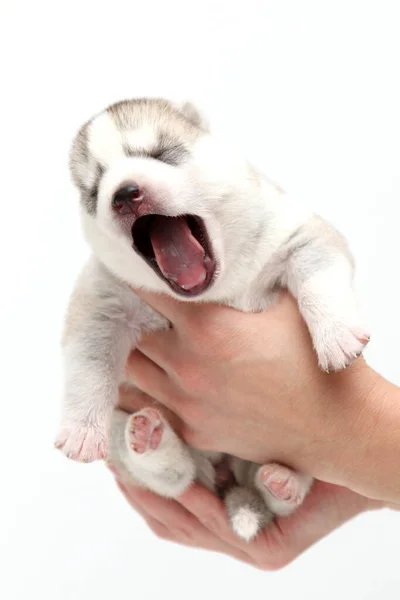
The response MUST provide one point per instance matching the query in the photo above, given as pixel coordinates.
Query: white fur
(104, 140)
(261, 239)
(143, 138)
(245, 523)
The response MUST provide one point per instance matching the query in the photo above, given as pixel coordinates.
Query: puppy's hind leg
(146, 451)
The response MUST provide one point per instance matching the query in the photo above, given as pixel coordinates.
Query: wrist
(364, 455)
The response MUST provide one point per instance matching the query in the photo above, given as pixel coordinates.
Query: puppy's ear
(84, 170)
(193, 114)
(79, 157)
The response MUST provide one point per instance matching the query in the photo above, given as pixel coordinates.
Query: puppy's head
(165, 205)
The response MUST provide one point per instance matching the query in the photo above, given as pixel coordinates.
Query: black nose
(126, 197)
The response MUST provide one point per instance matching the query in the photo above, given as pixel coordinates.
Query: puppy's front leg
(94, 362)
(98, 336)
(319, 273)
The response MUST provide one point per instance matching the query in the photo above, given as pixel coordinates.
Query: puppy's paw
(284, 484)
(338, 344)
(144, 430)
(82, 443)
(282, 488)
(151, 453)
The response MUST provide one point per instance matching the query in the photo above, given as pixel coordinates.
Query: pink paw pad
(282, 483)
(145, 430)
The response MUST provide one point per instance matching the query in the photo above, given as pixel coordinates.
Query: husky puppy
(168, 207)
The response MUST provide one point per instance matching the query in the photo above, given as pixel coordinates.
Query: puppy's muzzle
(127, 199)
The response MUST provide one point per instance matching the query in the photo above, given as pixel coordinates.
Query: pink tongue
(179, 256)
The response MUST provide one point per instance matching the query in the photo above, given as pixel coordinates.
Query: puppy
(167, 206)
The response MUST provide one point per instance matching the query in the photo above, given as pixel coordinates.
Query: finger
(152, 380)
(146, 375)
(325, 509)
(268, 551)
(131, 400)
(159, 347)
(180, 523)
(160, 530)
(172, 524)
(168, 512)
(211, 512)
(138, 363)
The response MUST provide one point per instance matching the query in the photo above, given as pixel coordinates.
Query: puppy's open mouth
(178, 249)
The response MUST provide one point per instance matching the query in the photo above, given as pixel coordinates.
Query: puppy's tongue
(180, 257)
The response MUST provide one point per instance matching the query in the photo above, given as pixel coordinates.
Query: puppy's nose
(125, 199)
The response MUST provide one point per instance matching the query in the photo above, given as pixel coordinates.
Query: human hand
(198, 519)
(249, 385)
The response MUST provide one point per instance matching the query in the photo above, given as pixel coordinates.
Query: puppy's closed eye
(173, 155)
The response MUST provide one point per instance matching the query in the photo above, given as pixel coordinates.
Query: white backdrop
(311, 89)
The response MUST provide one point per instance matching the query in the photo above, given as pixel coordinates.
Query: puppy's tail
(247, 511)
